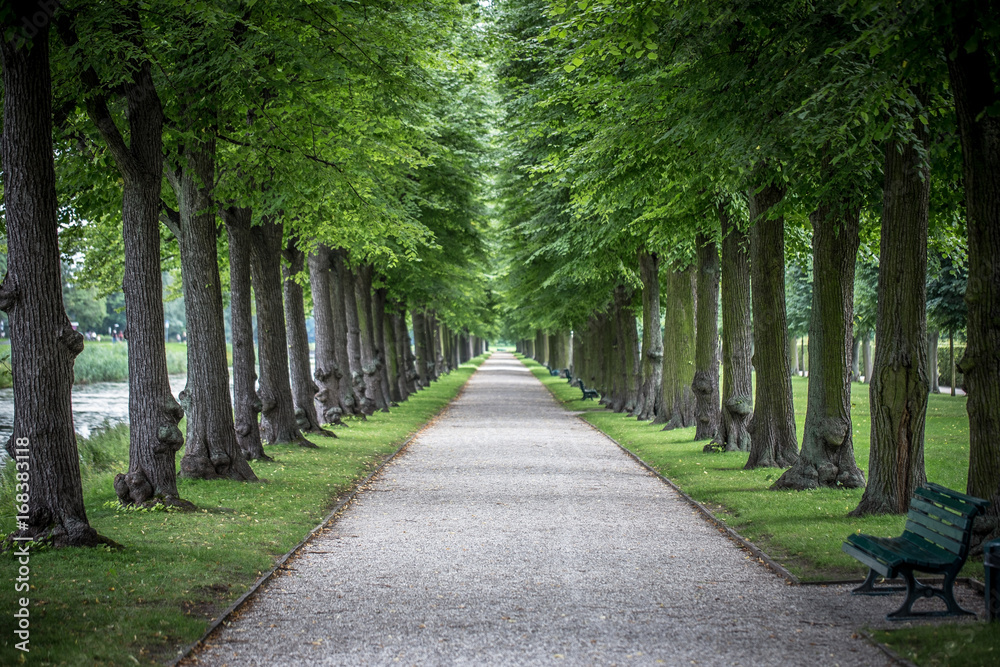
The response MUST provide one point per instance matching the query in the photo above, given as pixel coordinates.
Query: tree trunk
(211, 451)
(552, 343)
(951, 359)
(430, 329)
(856, 359)
(154, 438)
(328, 370)
(705, 384)
(304, 390)
(278, 423)
(678, 352)
(393, 365)
(866, 354)
(578, 361)
(827, 455)
(346, 279)
(349, 400)
(445, 347)
(420, 343)
(973, 83)
(737, 341)
(371, 365)
(379, 297)
(652, 339)
(898, 395)
(616, 362)
(409, 374)
(773, 441)
(247, 403)
(932, 359)
(366, 402)
(628, 339)
(43, 345)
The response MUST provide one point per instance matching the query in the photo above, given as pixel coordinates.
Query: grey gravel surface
(512, 533)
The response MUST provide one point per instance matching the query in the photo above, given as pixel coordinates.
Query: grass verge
(803, 530)
(178, 570)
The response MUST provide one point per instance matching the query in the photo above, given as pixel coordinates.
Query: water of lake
(93, 404)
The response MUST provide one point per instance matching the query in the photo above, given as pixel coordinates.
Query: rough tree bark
(328, 373)
(349, 401)
(420, 343)
(552, 343)
(705, 384)
(371, 365)
(379, 324)
(827, 455)
(409, 374)
(278, 423)
(974, 85)
(430, 326)
(898, 396)
(651, 364)
(43, 343)
(629, 339)
(304, 390)
(365, 402)
(211, 451)
(737, 338)
(677, 397)
(246, 402)
(773, 441)
(154, 438)
(393, 362)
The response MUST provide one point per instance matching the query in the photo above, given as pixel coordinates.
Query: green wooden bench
(935, 540)
(587, 393)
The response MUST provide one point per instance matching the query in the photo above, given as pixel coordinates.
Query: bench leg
(916, 590)
(868, 587)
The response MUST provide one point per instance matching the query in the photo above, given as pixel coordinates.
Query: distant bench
(935, 540)
(587, 393)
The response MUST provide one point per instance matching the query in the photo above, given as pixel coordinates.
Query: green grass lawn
(803, 530)
(178, 570)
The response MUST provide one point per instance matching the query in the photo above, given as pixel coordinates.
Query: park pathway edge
(185, 652)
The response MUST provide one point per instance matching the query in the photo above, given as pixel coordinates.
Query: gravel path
(511, 533)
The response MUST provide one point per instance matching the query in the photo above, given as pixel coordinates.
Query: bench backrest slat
(958, 504)
(934, 531)
(959, 521)
(940, 519)
(978, 503)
